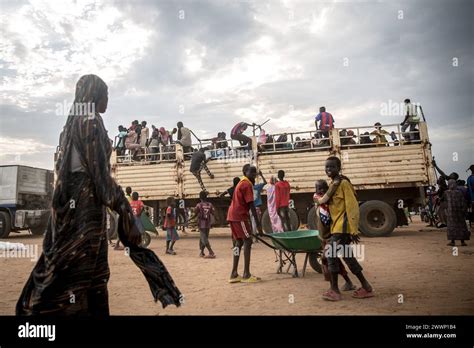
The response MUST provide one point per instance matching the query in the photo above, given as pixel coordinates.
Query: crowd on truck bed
(139, 143)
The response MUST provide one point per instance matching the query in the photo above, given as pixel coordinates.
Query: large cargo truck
(386, 176)
(25, 199)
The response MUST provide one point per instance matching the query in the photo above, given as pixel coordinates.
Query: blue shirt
(257, 194)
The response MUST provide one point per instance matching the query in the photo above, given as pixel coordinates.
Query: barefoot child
(170, 226)
(344, 212)
(323, 221)
(204, 212)
(238, 217)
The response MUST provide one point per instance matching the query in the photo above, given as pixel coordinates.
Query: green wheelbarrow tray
(147, 224)
(300, 240)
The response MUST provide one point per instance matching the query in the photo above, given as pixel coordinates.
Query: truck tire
(39, 229)
(377, 219)
(267, 225)
(312, 219)
(5, 224)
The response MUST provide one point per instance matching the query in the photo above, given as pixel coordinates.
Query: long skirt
(70, 277)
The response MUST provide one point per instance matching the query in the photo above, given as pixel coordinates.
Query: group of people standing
(337, 218)
(454, 203)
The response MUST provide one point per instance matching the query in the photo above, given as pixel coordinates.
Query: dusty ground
(414, 262)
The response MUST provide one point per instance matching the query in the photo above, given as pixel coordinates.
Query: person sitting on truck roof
(411, 120)
(237, 133)
(326, 122)
(365, 139)
(230, 190)
(198, 163)
(344, 212)
(380, 134)
(282, 192)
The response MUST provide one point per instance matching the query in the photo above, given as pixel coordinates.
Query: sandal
(362, 293)
(235, 280)
(331, 295)
(251, 279)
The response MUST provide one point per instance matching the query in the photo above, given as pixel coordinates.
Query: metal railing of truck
(304, 141)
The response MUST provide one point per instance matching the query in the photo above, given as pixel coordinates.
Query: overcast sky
(211, 64)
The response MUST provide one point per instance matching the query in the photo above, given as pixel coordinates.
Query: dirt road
(413, 263)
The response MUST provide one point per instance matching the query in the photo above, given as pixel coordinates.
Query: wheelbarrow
(287, 244)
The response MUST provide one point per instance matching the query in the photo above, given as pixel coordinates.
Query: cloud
(211, 64)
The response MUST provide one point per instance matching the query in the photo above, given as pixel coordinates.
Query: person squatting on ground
(344, 212)
(238, 218)
(74, 261)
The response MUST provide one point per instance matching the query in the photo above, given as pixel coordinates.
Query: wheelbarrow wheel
(315, 262)
(146, 240)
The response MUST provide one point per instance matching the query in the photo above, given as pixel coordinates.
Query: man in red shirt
(282, 193)
(239, 219)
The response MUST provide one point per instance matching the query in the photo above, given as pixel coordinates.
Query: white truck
(25, 199)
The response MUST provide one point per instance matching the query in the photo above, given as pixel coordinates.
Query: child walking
(204, 211)
(170, 226)
(344, 212)
(323, 222)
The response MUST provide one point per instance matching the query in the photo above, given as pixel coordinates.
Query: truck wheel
(315, 262)
(267, 225)
(39, 229)
(377, 219)
(5, 224)
(312, 219)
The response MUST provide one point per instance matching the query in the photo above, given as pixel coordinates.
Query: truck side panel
(301, 170)
(385, 165)
(32, 180)
(223, 171)
(153, 182)
(8, 185)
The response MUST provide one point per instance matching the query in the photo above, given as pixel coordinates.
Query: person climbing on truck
(237, 133)
(198, 163)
